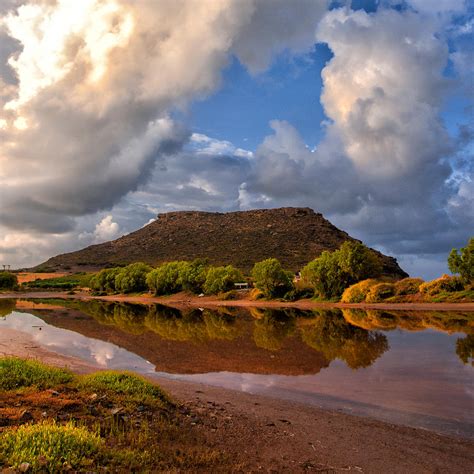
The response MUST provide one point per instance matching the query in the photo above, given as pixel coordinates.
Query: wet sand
(271, 435)
(183, 300)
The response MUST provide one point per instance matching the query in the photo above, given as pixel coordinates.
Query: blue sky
(362, 110)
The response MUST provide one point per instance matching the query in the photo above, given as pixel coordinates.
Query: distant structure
(6, 267)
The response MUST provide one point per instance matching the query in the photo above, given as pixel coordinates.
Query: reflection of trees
(194, 325)
(332, 335)
(272, 327)
(465, 349)
(447, 321)
(7, 305)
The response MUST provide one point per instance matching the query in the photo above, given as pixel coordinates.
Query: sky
(112, 111)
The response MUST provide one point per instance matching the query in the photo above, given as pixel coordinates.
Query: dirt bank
(183, 300)
(270, 435)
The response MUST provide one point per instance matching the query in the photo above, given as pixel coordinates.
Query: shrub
(358, 292)
(463, 262)
(380, 292)
(18, 373)
(132, 278)
(49, 447)
(256, 294)
(134, 387)
(8, 281)
(105, 280)
(221, 279)
(332, 272)
(271, 278)
(164, 280)
(408, 286)
(61, 283)
(192, 275)
(445, 283)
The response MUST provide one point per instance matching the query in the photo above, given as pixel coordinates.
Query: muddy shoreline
(183, 300)
(270, 434)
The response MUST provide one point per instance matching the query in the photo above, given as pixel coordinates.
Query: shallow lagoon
(412, 368)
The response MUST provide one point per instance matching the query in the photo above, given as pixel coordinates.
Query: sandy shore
(271, 435)
(183, 300)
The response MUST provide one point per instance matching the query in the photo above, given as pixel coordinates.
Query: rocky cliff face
(293, 235)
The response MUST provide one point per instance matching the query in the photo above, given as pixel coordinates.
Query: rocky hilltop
(294, 235)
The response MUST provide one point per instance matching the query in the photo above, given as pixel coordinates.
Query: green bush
(61, 283)
(164, 280)
(18, 373)
(105, 280)
(462, 263)
(49, 447)
(221, 279)
(271, 278)
(358, 292)
(408, 286)
(380, 292)
(332, 272)
(132, 278)
(192, 275)
(8, 281)
(445, 283)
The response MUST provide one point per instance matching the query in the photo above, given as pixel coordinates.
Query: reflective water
(412, 368)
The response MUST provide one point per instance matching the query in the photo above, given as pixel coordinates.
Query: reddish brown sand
(187, 300)
(269, 435)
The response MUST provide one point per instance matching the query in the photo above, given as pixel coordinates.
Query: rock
(24, 467)
(25, 417)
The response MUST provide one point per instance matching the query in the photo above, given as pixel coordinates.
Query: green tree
(463, 262)
(165, 279)
(192, 275)
(132, 278)
(105, 280)
(332, 272)
(271, 278)
(221, 279)
(8, 281)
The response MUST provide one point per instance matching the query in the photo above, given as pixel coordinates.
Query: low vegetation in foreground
(351, 274)
(108, 421)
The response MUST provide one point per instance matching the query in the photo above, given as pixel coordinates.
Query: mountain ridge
(294, 235)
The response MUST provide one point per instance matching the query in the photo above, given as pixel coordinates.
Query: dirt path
(270, 435)
(182, 300)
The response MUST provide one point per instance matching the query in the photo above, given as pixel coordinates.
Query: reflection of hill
(411, 320)
(337, 339)
(193, 342)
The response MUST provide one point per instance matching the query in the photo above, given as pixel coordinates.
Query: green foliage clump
(18, 373)
(8, 281)
(462, 263)
(332, 272)
(445, 283)
(61, 283)
(134, 387)
(49, 447)
(132, 278)
(164, 280)
(358, 292)
(408, 286)
(380, 292)
(105, 280)
(221, 279)
(192, 275)
(271, 278)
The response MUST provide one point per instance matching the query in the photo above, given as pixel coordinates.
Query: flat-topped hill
(293, 235)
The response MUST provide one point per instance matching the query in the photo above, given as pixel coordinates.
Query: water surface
(412, 368)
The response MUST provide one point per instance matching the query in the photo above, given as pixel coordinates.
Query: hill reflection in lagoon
(409, 367)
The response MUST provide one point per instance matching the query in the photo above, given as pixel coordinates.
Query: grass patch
(49, 446)
(18, 373)
(135, 388)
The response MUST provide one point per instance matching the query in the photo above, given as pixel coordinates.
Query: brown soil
(293, 235)
(260, 434)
